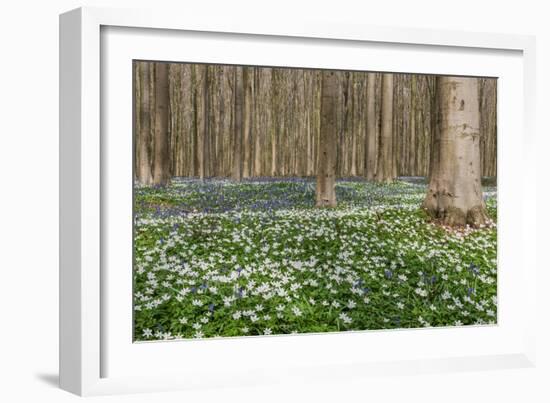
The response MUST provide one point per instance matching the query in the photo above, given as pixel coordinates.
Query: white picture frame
(93, 349)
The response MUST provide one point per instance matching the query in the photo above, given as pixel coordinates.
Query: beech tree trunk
(326, 169)
(353, 129)
(279, 122)
(385, 167)
(454, 194)
(247, 121)
(488, 126)
(143, 173)
(237, 172)
(205, 126)
(277, 104)
(197, 151)
(412, 128)
(256, 94)
(161, 171)
(371, 152)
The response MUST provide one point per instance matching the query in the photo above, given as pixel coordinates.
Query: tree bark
(454, 194)
(196, 156)
(257, 97)
(205, 124)
(487, 126)
(161, 171)
(280, 123)
(326, 170)
(385, 167)
(371, 152)
(353, 127)
(247, 121)
(144, 172)
(237, 172)
(412, 149)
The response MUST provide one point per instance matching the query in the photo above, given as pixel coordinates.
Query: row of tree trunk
(454, 196)
(231, 121)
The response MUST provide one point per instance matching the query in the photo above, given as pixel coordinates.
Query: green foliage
(217, 258)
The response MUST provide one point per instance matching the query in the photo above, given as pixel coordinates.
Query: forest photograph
(278, 200)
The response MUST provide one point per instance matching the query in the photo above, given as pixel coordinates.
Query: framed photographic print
(246, 202)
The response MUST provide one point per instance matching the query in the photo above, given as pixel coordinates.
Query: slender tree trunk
(309, 154)
(196, 158)
(201, 119)
(247, 121)
(161, 171)
(237, 172)
(275, 107)
(144, 172)
(353, 128)
(342, 158)
(221, 128)
(397, 123)
(205, 124)
(454, 194)
(326, 170)
(257, 123)
(282, 138)
(434, 137)
(487, 127)
(371, 152)
(412, 147)
(385, 168)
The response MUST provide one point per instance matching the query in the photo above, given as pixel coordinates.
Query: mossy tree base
(456, 217)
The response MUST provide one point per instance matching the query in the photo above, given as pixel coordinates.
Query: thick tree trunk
(370, 144)
(144, 173)
(326, 170)
(385, 168)
(454, 194)
(237, 172)
(161, 171)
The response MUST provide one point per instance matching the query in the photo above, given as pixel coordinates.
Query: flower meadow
(216, 258)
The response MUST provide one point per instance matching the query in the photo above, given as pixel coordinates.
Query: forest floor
(219, 258)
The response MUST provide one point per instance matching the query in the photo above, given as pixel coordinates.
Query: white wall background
(29, 201)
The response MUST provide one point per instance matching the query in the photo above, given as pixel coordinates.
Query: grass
(217, 258)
